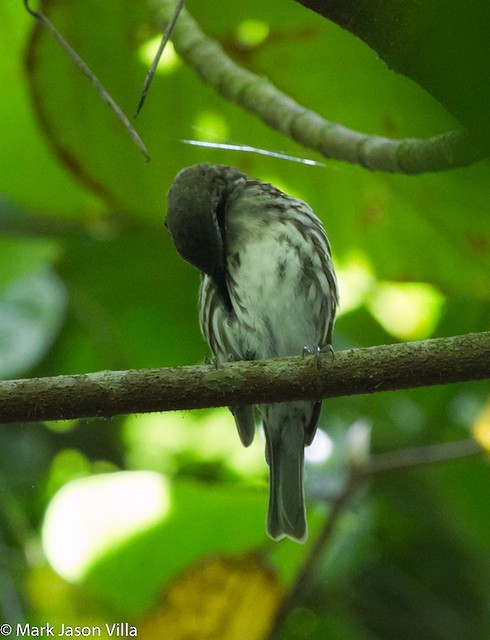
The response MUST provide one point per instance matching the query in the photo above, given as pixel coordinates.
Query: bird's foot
(213, 361)
(216, 363)
(309, 352)
(312, 352)
(328, 349)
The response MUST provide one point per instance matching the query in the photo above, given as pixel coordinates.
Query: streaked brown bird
(268, 289)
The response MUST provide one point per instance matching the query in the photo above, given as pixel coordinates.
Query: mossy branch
(355, 371)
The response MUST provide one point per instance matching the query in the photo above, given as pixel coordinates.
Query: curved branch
(357, 371)
(279, 111)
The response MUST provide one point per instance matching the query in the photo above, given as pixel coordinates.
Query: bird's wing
(216, 322)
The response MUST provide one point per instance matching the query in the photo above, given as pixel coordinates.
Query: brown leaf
(222, 597)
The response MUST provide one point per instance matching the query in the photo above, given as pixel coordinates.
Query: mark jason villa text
(116, 630)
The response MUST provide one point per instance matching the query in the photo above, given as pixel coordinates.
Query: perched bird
(268, 289)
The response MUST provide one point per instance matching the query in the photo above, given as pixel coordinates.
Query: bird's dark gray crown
(195, 214)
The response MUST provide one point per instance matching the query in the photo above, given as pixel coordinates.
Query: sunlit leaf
(409, 311)
(90, 515)
(481, 427)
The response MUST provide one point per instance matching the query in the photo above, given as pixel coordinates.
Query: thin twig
(380, 463)
(82, 66)
(308, 570)
(246, 148)
(421, 456)
(156, 60)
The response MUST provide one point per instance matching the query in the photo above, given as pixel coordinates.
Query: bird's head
(195, 216)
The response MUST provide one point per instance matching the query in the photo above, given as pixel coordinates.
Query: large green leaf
(30, 174)
(438, 44)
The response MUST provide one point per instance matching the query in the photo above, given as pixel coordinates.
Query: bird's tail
(285, 455)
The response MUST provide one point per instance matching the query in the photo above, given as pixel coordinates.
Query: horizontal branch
(276, 109)
(356, 371)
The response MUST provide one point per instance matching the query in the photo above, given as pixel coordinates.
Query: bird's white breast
(277, 304)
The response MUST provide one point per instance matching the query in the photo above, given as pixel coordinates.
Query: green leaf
(31, 175)
(23, 256)
(438, 44)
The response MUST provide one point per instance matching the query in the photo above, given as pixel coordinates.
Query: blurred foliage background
(99, 518)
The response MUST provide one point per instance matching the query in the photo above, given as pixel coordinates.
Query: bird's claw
(316, 352)
(329, 349)
(213, 361)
